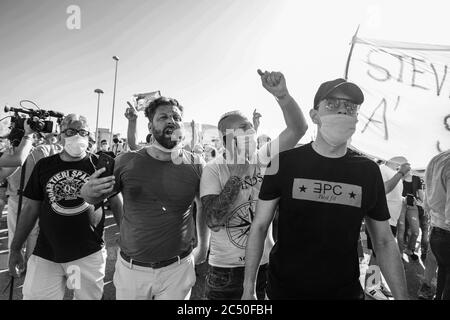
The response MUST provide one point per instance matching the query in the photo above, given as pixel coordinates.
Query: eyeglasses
(334, 104)
(71, 132)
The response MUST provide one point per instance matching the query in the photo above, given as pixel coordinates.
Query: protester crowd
(266, 215)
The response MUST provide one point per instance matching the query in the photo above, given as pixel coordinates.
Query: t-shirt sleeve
(33, 189)
(210, 181)
(271, 186)
(379, 210)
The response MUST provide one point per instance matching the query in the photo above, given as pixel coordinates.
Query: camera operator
(49, 147)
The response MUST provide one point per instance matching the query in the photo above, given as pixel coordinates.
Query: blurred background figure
(262, 140)
(117, 146)
(104, 148)
(210, 152)
(198, 149)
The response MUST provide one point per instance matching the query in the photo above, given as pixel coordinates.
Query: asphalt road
(414, 270)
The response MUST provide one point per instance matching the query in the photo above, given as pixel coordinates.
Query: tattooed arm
(217, 207)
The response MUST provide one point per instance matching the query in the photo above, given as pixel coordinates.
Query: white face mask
(155, 144)
(76, 146)
(337, 129)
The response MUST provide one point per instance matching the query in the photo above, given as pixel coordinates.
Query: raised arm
(20, 154)
(131, 115)
(296, 125)
(390, 184)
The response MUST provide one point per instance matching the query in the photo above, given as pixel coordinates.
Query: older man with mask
(157, 186)
(70, 242)
(230, 187)
(324, 191)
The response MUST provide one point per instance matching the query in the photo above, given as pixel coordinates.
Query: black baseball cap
(349, 88)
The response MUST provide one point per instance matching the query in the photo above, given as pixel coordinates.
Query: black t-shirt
(109, 153)
(410, 189)
(69, 228)
(322, 204)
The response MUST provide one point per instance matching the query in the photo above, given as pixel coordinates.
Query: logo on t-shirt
(63, 190)
(238, 226)
(327, 192)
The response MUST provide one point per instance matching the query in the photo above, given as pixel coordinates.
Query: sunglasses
(72, 132)
(334, 104)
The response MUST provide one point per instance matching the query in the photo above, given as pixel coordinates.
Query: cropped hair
(150, 110)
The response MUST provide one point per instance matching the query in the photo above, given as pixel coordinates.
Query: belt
(155, 265)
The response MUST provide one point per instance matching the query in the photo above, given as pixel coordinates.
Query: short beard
(167, 143)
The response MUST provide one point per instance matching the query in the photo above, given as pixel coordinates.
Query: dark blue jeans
(227, 283)
(440, 245)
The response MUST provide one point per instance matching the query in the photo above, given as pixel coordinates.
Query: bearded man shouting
(151, 193)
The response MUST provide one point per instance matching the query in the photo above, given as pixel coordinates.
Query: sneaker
(376, 294)
(386, 292)
(425, 292)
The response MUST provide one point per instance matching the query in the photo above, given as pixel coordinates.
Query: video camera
(41, 124)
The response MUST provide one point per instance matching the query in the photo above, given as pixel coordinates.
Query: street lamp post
(116, 58)
(99, 92)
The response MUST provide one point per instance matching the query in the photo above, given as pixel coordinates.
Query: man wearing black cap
(324, 190)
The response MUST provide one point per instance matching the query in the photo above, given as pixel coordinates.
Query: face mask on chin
(76, 146)
(337, 129)
(167, 145)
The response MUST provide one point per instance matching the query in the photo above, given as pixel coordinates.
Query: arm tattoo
(217, 207)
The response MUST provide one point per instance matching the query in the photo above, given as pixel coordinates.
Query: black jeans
(228, 283)
(440, 245)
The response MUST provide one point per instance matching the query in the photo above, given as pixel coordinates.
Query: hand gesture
(275, 83)
(26, 126)
(256, 116)
(16, 263)
(98, 187)
(130, 112)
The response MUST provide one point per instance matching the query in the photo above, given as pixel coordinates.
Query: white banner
(406, 111)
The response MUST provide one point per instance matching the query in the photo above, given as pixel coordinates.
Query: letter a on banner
(407, 99)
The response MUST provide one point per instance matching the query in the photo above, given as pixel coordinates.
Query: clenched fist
(130, 112)
(256, 116)
(275, 83)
